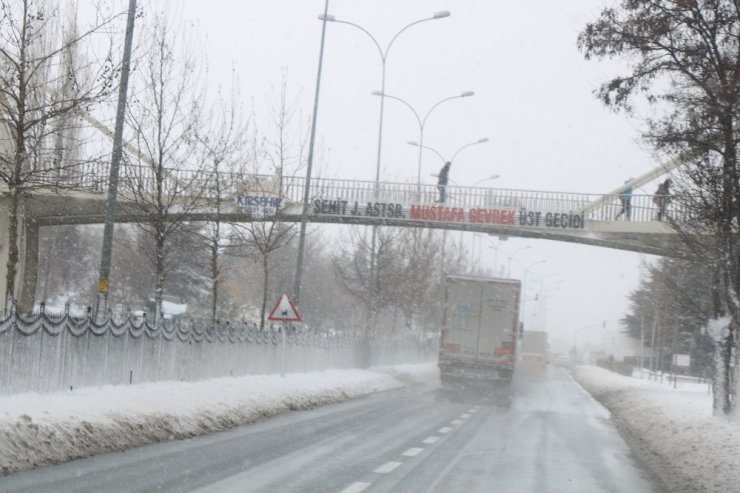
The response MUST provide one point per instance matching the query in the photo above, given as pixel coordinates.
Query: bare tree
(223, 142)
(284, 152)
(44, 83)
(409, 275)
(162, 182)
(286, 149)
(352, 268)
(685, 58)
(260, 240)
(418, 281)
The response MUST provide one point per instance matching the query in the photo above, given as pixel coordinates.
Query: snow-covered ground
(673, 429)
(39, 429)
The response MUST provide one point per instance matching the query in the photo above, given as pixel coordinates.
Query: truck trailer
(534, 352)
(480, 332)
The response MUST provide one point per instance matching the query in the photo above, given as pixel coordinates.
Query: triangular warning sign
(284, 311)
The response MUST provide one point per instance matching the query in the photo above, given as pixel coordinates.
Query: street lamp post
(578, 331)
(509, 257)
(309, 166)
(444, 232)
(525, 283)
(546, 294)
(422, 122)
(383, 59)
(101, 305)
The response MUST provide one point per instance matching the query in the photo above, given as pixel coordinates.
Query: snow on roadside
(38, 429)
(691, 450)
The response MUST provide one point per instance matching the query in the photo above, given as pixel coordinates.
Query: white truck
(480, 332)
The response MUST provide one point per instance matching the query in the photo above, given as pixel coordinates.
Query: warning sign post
(283, 311)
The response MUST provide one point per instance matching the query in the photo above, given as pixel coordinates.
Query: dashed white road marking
(387, 467)
(472, 411)
(456, 421)
(464, 416)
(445, 429)
(356, 487)
(430, 440)
(413, 452)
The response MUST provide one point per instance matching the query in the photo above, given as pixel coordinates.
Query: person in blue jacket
(625, 197)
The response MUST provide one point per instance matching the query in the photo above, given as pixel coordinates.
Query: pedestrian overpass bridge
(584, 218)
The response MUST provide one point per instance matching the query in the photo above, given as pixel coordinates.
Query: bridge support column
(28, 245)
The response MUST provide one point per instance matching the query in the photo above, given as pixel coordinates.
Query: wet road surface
(552, 438)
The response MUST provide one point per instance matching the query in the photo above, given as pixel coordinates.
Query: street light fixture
(546, 289)
(439, 154)
(510, 257)
(437, 15)
(492, 177)
(578, 331)
(525, 282)
(487, 178)
(422, 122)
(442, 158)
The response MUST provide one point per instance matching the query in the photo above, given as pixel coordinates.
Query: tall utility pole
(110, 206)
(306, 189)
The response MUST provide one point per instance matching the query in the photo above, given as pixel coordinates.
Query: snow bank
(673, 429)
(38, 429)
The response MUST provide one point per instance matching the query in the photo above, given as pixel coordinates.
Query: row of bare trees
(55, 91)
(337, 295)
(187, 147)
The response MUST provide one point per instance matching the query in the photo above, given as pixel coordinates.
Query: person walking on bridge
(662, 198)
(625, 197)
(442, 179)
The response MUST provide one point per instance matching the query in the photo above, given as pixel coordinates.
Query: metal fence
(48, 352)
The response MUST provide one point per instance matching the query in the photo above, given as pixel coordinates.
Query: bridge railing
(596, 207)
(642, 207)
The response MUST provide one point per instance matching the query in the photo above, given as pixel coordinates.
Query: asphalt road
(552, 438)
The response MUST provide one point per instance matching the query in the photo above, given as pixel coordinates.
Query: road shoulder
(41, 429)
(670, 430)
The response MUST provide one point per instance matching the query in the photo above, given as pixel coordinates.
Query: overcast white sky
(533, 100)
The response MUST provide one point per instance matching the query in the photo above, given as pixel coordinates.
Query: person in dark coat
(443, 178)
(662, 198)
